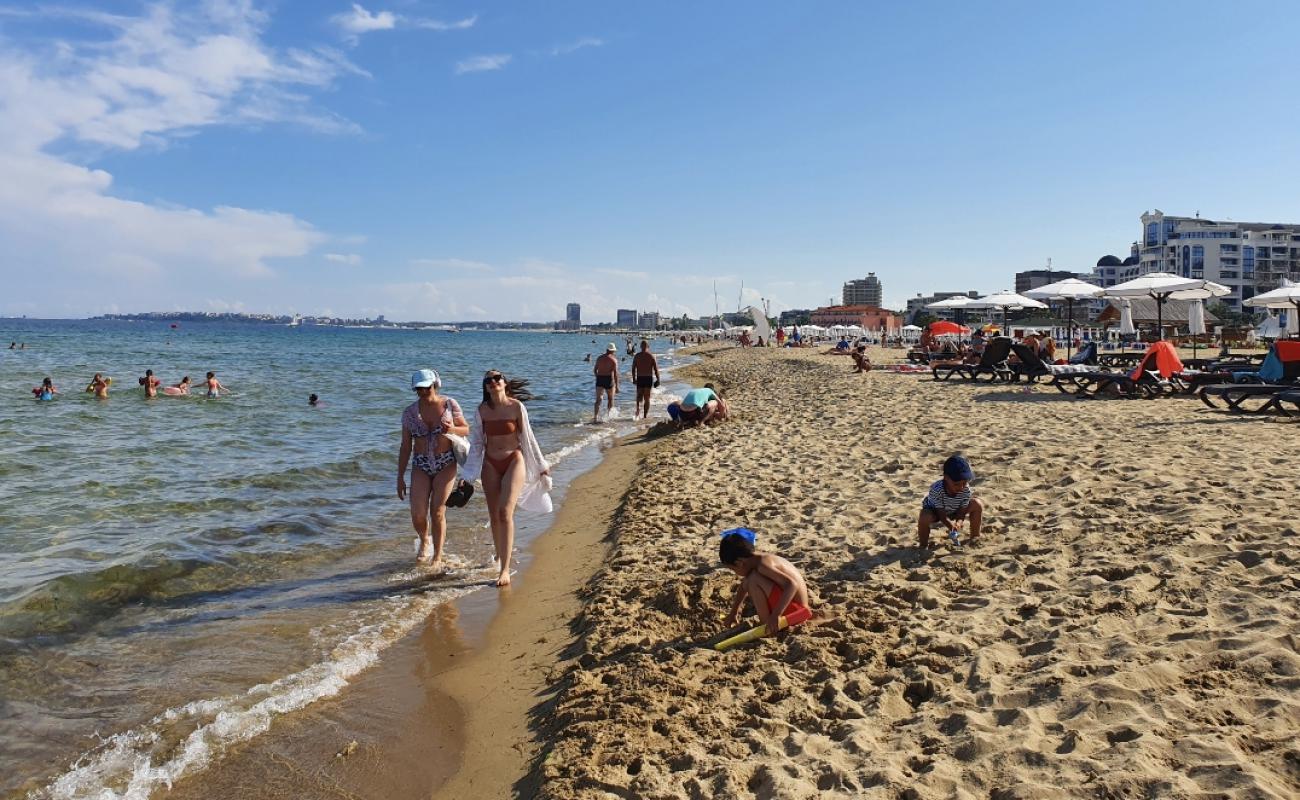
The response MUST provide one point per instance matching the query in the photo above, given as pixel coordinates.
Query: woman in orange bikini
(505, 455)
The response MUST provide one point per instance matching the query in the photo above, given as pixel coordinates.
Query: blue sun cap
(744, 533)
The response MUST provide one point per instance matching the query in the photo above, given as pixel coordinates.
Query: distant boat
(295, 322)
(443, 328)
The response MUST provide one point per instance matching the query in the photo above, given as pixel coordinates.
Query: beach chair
(1291, 397)
(1086, 355)
(1156, 375)
(992, 364)
(1029, 366)
(1279, 373)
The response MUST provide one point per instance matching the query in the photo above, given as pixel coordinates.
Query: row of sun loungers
(1242, 385)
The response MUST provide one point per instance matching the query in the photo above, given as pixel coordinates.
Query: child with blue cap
(949, 501)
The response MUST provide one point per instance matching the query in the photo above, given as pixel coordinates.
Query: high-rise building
(1247, 257)
(625, 318)
(573, 313)
(648, 320)
(863, 292)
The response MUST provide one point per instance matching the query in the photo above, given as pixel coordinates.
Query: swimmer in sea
(313, 401)
(45, 391)
(150, 382)
(99, 386)
(215, 388)
(182, 388)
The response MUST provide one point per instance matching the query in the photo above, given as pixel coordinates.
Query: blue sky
(458, 160)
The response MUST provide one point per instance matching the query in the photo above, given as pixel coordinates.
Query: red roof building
(869, 317)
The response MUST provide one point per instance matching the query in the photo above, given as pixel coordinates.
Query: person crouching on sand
(773, 584)
(949, 501)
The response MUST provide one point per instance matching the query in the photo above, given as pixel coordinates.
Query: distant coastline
(308, 322)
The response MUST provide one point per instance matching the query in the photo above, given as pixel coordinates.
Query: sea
(176, 573)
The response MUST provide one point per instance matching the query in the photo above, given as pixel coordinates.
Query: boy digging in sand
(949, 502)
(771, 582)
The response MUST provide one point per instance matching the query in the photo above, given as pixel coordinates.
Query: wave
(133, 764)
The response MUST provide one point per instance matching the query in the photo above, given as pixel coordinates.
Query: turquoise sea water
(176, 572)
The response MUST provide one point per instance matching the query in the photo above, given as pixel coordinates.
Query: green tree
(924, 318)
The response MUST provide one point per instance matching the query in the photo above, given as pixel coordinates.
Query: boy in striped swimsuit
(949, 502)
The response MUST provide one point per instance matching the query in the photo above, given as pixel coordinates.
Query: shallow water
(177, 572)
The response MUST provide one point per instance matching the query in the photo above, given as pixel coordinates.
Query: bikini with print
(501, 427)
(439, 461)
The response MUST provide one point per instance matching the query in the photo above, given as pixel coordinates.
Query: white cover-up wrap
(535, 494)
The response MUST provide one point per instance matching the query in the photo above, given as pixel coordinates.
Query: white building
(1247, 257)
(864, 291)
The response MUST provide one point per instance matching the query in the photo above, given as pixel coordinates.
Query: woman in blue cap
(433, 464)
(949, 502)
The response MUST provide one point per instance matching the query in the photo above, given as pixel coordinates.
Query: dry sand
(1128, 628)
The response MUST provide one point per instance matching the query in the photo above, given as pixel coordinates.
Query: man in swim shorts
(645, 374)
(606, 371)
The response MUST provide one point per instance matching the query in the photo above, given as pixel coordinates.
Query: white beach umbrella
(1286, 296)
(1195, 322)
(1006, 300)
(1126, 327)
(1161, 286)
(762, 327)
(1069, 290)
(956, 302)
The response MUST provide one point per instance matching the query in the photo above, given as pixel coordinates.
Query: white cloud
(439, 25)
(482, 63)
(586, 41)
(358, 20)
(453, 264)
(351, 259)
(140, 81)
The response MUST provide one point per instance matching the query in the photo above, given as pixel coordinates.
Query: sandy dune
(1128, 628)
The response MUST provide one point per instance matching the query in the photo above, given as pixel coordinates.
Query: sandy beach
(1127, 628)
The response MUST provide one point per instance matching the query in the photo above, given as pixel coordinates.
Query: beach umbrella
(1069, 290)
(1286, 296)
(1006, 300)
(945, 328)
(954, 303)
(1196, 322)
(1162, 286)
(762, 327)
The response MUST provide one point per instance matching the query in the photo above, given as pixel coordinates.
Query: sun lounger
(1279, 373)
(992, 364)
(1028, 365)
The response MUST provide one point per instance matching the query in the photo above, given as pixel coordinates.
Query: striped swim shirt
(942, 501)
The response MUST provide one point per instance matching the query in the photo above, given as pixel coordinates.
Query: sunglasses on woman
(493, 378)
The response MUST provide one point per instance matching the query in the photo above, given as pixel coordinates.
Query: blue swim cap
(744, 533)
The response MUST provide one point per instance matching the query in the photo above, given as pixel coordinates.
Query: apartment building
(1247, 257)
(863, 291)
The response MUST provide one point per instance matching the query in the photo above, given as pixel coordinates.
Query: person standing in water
(45, 391)
(99, 386)
(645, 375)
(606, 371)
(505, 456)
(150, 382)
(215, 387)
(434, 465)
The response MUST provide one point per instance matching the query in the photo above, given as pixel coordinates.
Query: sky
(450, 161)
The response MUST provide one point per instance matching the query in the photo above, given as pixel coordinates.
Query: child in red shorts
(772, 583)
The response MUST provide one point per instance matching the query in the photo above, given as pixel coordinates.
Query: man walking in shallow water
(606, 371)
(645, 375)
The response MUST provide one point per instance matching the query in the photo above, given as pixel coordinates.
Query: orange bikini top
(499, 427)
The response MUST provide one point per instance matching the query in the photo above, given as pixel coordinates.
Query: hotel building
(1247, 257)
(863, 292)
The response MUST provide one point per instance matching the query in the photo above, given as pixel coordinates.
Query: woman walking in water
(505, 455)
(433, 464)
